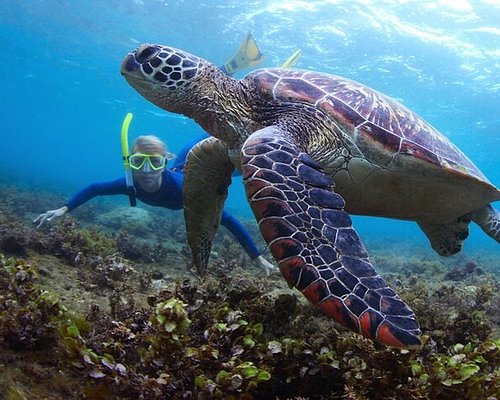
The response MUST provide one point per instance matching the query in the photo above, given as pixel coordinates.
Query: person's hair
(150, 144)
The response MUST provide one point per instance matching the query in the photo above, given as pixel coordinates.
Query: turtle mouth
(132, 72)
(164, 66)
(138, 81)
(130, 66)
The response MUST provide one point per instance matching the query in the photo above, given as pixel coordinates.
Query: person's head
(148, 161)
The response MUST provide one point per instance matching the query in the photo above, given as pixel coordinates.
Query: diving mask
(156, 161)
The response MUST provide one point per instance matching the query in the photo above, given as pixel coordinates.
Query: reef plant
(126, 329)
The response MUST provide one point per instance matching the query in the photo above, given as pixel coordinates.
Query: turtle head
(163, 75)
(182, 83)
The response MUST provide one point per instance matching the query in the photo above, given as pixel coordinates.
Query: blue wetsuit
(180, 160)
(169, 196)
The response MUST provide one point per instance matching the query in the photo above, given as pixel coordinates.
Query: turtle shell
(367, 115)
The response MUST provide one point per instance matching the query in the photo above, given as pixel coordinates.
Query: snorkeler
(156, 185)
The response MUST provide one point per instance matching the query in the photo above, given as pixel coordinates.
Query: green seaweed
(236, 334)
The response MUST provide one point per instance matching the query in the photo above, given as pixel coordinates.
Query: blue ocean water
(63, 99)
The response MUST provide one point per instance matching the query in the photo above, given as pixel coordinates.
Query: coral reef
(82, 319)
(464, 271)
(26, 312)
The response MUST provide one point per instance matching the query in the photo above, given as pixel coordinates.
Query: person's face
(147, 168)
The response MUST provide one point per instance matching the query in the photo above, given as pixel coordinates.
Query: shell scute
(352, 105)
(297, 90)
(413, 149)
(376, 134)
(346, 115)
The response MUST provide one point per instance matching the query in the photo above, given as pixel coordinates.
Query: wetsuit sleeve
(240, 233)
(118, 186)
(180, 159)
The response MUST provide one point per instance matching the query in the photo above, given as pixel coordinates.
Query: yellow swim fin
(292, 60)
(248, 55)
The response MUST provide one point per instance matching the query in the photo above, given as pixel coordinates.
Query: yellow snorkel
(125, 155)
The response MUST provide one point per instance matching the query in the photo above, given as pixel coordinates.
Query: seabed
(102, 305)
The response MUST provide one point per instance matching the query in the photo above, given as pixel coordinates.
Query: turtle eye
(145, 53)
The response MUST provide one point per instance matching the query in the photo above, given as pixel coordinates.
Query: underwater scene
(357, 254)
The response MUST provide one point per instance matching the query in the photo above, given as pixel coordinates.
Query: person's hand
(261, 262)
(50, 215)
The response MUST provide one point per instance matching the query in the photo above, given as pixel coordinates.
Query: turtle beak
(129, 65)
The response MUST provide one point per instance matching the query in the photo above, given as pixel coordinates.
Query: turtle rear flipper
(206, 179)
(312, 239)
(447, 239)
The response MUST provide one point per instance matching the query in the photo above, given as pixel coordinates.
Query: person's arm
(96, 189)
(180, 158)
(246, 241)
(117, 186)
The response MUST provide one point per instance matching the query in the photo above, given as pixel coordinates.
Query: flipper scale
(312, 239)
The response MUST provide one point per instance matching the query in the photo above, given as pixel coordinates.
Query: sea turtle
(313, 147)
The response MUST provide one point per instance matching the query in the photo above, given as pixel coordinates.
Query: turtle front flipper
(207, 175)
(312, 239)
